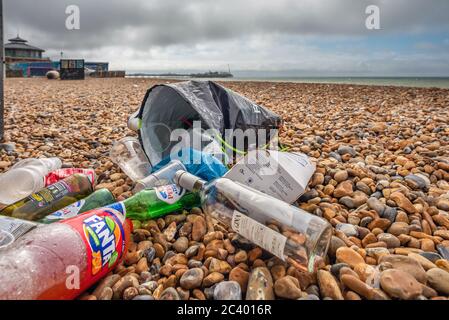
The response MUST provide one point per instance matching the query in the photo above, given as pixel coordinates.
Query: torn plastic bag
(168, 107)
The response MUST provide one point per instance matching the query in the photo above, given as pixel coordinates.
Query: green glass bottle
(98, 199)
(154, 203)
(50, 199)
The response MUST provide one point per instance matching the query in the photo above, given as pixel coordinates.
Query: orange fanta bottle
(61, 260)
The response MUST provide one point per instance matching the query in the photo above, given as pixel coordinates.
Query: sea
(420, 82)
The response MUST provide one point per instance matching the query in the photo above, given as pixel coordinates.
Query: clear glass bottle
(291, 234)
(162, 177)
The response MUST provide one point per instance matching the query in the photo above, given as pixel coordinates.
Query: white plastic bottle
(25, 177)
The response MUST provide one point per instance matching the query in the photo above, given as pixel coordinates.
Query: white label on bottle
(67, 212)
(170, 193)
(15, 226)
(261, 235)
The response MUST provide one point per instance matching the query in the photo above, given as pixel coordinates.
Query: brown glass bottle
(50, 199)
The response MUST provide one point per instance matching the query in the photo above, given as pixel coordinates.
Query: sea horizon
(401, 81)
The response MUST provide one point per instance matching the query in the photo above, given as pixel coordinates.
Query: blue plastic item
(200, 164)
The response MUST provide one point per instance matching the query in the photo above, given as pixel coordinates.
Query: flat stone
(390, 214)
(443, 251)
(398, 228)
(198, 228)
(439, 280)
(349, 256)
(376, 205)
(329, 286)
(402, 202)
(425, 263)
(406, 264)
(192, 278)
(389, 239)
(240, 276)
(431, 256)
(342, 150)
(227, 290)
(400, 284)
(287, 288)
(343, 189)
(170, 294)
(416, 182)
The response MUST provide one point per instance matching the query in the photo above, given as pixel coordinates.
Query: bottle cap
(186, 180)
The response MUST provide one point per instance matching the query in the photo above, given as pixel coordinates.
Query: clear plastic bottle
(162, 177)
(128, 154)
(25, 177)
(291, 234)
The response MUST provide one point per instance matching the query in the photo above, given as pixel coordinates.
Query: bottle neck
(189, 181)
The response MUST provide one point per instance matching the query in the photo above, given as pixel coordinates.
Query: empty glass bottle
(50, 199)
(291, 234)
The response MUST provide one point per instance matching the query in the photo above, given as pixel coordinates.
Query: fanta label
(170, 193)
(104, 236)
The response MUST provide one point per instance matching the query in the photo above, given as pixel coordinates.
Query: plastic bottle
(291, 234)
(200, 164)
(127, 153)
(16, 227)
(50, 199)
(98, 199)
(60, 174)
(61, 260)
(25, 177)
(161, 177)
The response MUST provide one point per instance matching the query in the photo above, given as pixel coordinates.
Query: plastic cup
(6, 239)
(128, 154)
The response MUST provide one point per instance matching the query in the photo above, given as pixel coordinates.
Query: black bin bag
(167, 107)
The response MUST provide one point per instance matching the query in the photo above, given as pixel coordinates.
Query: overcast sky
(288, 37)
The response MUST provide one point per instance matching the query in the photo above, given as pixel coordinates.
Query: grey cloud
(173, 33)
(160, 23)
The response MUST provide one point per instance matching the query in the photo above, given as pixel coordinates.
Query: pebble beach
(382, 182)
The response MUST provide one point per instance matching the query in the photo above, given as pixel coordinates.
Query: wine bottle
(50, 199)
(291, 234)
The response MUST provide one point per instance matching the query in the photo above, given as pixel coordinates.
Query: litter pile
(210, 220)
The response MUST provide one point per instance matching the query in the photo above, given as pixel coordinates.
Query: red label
(103, 234)
(60, 174)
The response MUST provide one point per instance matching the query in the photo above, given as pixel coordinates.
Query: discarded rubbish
(161, 177)
(16, 227)
(177, 105)
(98, 199)
(129, 156)
(50, 199)
(25, 177)
(291, 234)
(283, 175)
(200, 164)
(60, 174)
(89, 246)
(6, 239)
(154, 203)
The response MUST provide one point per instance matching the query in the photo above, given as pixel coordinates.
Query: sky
(255, 37)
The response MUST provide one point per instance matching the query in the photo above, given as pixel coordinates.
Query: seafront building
(25, 60)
